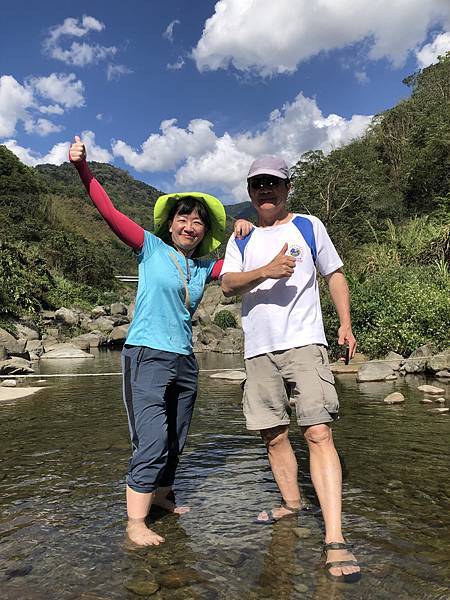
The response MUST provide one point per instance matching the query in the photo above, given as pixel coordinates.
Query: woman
(159, 367)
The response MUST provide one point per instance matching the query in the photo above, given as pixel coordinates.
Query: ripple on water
(65, 453)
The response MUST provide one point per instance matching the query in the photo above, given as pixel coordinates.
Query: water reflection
(64, 453)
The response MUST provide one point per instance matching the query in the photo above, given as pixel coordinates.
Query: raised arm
(126, 229)
(236, 284)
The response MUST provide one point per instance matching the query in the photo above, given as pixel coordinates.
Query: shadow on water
(64, 453)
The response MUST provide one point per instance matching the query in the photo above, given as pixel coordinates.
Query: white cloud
(362, 76)
(115, 72)
(19, 103)
(59, 153)
(268, 37)
(200, 158)
(52, 109)
(428, 54)
(74, 28)
(164, 151)
(290, 131)
(77, 54)
(99, 117)
(168, 33)
(177, 65)
(15, 99)
(64, 89)
(42, 127)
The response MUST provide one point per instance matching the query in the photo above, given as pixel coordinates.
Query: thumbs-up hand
(282, 265)
(77, 152)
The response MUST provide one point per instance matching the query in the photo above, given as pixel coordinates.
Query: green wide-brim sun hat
(213, 238)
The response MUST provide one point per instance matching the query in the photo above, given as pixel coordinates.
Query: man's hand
(77, 152)
(345, 336)
(280, 266)
(242, 228)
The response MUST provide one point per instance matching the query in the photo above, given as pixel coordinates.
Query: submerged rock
(230, 375)
(431, 389)
(426, 401)
(9, 383)
(439, 410)
(442, 374)
(394, 398)
(66, 351)
(143, 587)
(302, 532)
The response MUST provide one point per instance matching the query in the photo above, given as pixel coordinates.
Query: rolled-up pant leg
(147, 375)
(180, 402)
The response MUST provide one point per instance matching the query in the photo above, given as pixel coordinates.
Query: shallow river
(64, 453)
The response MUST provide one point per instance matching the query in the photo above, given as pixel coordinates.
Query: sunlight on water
(64, 454)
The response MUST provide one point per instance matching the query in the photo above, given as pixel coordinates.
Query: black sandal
(351, 577)
(293, 512)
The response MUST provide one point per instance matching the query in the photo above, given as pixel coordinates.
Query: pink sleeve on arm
(216, 269)
(127, 230)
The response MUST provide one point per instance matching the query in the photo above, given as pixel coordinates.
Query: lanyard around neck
(187, 299)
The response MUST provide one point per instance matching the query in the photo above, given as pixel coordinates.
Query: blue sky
(185, 94)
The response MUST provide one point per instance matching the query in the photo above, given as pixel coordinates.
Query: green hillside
(383, 197)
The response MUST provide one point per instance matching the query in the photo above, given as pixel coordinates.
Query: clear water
(64, 453)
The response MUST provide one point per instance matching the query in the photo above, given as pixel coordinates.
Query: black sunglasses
(257, 183)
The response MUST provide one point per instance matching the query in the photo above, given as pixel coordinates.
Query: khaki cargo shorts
(298, 376)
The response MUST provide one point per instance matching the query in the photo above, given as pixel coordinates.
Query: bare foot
(140, 534)
(162, 500)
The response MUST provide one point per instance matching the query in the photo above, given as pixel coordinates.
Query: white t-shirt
(283, 313)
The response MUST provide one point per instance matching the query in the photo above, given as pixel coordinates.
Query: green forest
(384, 198)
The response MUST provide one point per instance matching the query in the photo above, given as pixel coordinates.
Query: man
(274, 270)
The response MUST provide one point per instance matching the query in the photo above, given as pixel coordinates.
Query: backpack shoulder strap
(305, 226)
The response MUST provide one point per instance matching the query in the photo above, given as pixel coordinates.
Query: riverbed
(64, 454)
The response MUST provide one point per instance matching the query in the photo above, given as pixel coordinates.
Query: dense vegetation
(384, 199)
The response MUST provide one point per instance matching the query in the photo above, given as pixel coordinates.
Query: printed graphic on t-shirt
(297, 252)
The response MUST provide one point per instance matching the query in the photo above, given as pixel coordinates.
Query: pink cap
(269, 165)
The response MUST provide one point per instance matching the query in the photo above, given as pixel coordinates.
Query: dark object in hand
(347, 354)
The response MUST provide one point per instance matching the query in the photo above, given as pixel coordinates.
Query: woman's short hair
(186, 205)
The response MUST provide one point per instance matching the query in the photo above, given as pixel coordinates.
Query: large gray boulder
(118, 308)
(15, 366)
(417, 361)
(35, 347)
(67, 316)
(394, 360)
(49, 342)
(374, 371)
(232, 342)
(439, 362)
(13, 346)
(66, 351)
(89, 340)
(103, 324)
(26, 333)
(211, 298)
(98, 311)
(118, 335)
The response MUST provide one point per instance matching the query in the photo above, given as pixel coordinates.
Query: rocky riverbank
(71, 333)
